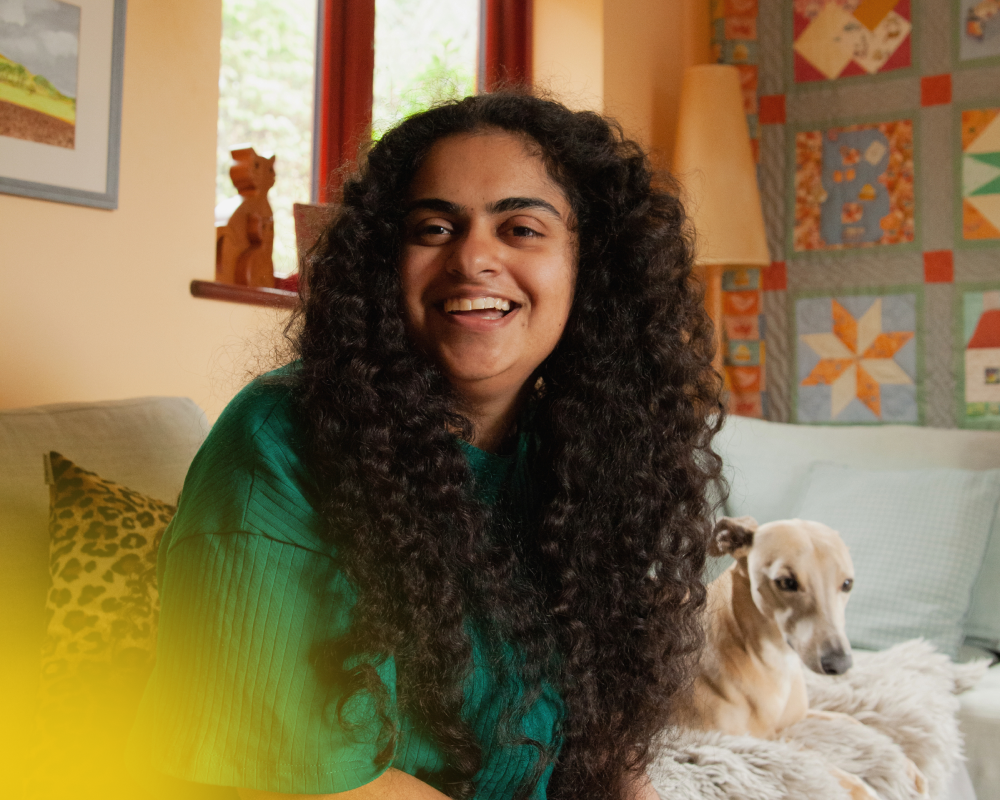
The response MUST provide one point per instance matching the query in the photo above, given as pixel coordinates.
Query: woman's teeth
(475, 304)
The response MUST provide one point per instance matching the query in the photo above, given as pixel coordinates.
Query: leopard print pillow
(101, 627)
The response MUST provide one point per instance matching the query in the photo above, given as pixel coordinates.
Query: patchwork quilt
(876, 125)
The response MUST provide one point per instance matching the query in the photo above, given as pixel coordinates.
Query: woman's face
(489, 262)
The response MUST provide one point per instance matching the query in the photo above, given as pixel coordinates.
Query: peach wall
(647, 46)
(95, 304)
(623, 57)
(569, 51)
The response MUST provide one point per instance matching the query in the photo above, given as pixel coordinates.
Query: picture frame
(60, 134)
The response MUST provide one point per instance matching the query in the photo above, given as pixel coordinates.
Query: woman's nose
(476, 253)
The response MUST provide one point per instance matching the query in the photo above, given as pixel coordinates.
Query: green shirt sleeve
(234, 699)
(248, 588)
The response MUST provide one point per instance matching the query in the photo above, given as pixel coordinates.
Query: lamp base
(711, 276)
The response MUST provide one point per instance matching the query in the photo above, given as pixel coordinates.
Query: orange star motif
(857, 358)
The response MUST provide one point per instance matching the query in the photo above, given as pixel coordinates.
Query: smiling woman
(454, 549)
(487, 271)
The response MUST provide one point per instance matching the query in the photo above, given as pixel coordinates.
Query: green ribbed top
(248, 586)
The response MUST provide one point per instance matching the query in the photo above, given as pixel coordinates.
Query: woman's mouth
(487, 308)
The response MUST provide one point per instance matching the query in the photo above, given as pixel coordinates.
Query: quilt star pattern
(857, 358)
(835, 39)
(981, 174)
(979, 400)
(854, 186)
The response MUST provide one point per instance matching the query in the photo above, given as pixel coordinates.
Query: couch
(147, 444)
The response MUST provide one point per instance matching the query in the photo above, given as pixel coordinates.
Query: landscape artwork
(978, 29)
(854, 186)
(39, 44)
(835, 39)
(857, 358)
(981, 174)
(979, 359)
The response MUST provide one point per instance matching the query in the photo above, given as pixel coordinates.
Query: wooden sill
(251, 295)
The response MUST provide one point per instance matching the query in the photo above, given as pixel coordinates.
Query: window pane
(425, 50)
(266, 100)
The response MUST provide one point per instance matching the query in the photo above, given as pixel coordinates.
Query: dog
(778, 607)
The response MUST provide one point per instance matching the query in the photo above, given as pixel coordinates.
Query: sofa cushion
(917, 539)
(979, 717)
(766, 464)
(100, 641)
(144, 443)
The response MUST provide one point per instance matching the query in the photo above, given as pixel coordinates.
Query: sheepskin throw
(905, 698)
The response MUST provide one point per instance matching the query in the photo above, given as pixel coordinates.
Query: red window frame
(345, 67)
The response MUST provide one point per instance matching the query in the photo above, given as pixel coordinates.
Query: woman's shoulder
(251, 473)
(266, 400)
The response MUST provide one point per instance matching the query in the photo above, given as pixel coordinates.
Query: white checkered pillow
(917, 539)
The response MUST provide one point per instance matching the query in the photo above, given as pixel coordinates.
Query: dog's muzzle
(835, 662)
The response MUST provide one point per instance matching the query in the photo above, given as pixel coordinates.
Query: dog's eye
(847, 585)
(787, 583)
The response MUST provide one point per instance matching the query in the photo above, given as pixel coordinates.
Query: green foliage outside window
(266, 100)
(425, 51)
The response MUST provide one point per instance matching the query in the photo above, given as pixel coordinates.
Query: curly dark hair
(604, 602)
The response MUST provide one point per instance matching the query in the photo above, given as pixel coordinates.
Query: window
(266, 99)
(407, 78)
(310, 106)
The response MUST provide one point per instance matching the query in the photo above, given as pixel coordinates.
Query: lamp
(715, 165)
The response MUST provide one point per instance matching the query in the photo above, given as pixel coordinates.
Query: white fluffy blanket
(905, 696)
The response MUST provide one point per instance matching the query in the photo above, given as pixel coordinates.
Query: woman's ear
(732, 536)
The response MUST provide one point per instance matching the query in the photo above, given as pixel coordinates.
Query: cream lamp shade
(715, 166)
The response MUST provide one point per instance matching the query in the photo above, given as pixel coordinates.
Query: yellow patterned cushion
(99, 647)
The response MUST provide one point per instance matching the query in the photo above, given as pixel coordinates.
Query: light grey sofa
(768, 466)
(148, 443)
(145, 444)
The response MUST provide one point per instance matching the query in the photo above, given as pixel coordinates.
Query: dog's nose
(836, 662)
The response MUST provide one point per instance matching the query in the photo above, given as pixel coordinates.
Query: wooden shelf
(251, 295)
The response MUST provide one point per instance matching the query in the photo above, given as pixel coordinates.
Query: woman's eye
(520, 227)
(524, 231)
(430, 229)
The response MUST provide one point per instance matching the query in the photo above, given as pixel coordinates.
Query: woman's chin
(476, 380)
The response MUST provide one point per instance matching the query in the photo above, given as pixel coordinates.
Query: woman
(454, 549)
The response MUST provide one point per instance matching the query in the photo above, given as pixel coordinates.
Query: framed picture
(61, 69)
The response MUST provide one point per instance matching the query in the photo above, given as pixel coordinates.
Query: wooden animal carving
(244, 243)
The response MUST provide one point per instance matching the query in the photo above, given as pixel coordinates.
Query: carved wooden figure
(244, 243)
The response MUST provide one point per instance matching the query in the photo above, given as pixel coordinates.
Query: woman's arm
(390, 785)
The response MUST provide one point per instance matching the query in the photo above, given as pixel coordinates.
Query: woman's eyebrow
(518, 203)
(434, 204)
(497, 207)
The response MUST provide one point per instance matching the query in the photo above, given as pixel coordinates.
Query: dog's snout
(835, 662)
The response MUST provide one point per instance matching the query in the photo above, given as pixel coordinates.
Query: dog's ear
(732, 535)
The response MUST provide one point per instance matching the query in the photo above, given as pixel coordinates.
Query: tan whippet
(779, 606)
